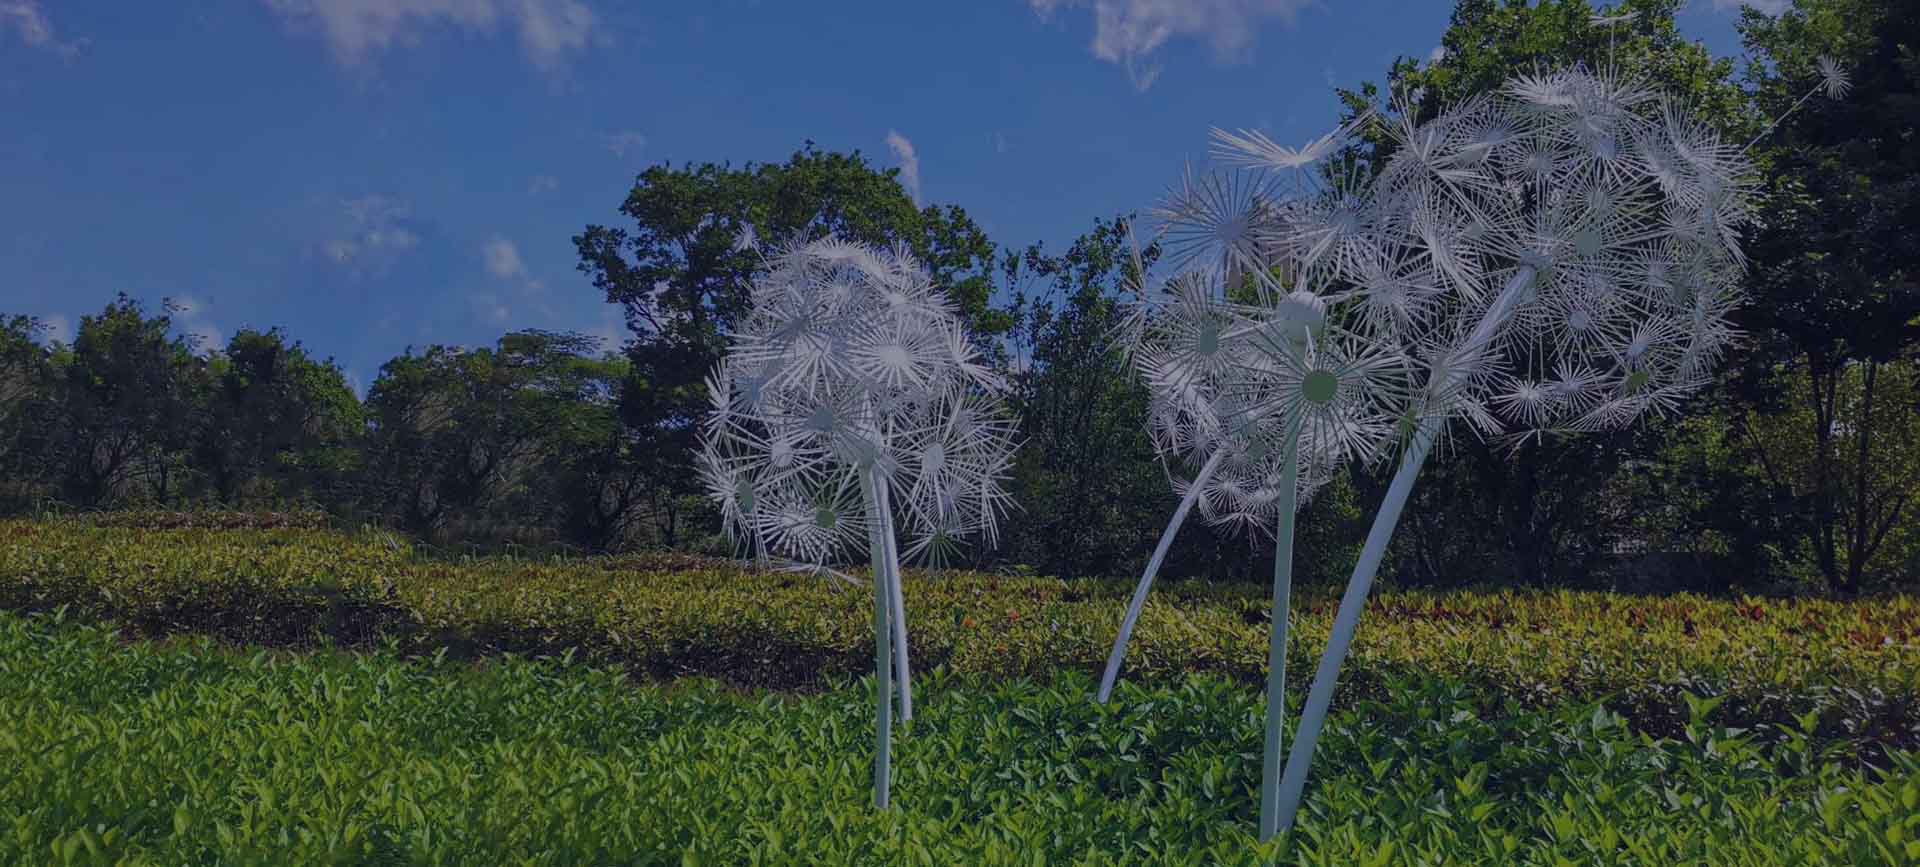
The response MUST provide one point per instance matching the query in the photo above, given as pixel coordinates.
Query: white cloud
(503, 259)
(999, 143)
(1438, 54)
(189, 315)
(1770, 7)
(56, 328)
(1130, 32)
(26, 18)
(612, 329)
(492, 309)
(376, 232)
(1328, 75)
(355, 30)
(620, 143)
(542, 184)
(909, 163)
(206, 336)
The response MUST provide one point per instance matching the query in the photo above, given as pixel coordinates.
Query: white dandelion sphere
(1558, 255)
(852, 362)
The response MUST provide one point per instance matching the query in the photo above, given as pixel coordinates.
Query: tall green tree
(26, 385)
(279, 424)
(1836, 274)
(474, 437)
(128, 407)
(1088, 482)
(682, 275)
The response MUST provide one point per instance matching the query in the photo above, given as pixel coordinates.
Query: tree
(681, 275)
(127, 407)
(278, 422)
(1088, 482)
(26, 382)
(1835, 276)
(1544, 496)
(470, 436)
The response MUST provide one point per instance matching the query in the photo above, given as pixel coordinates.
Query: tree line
(1796, 473)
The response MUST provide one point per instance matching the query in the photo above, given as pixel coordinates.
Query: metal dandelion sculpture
(1230, 381)
(1556, 257)
(1559, 256)
(851, 406)
(1267, 395)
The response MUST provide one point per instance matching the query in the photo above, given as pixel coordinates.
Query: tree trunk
(1857, 546)
(1821, 386)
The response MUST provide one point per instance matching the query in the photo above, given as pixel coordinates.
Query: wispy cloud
(29, 21)
(903, 151)
(189, 314)
(376, 231)
(492, 308)
(1438, 54)
(623, 142)
(356, 30)
(1770, 7)
(999, 143)
(611, 329)
(542, 184)
(503, 259)
(1131, 32)
(56, 328)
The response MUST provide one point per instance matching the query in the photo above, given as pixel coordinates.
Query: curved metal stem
(882, 654)
(1313, 717)
(1146, 578)
(898, 602)
(1277, 640)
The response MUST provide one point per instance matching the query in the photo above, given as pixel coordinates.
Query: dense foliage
(149, 755)
(1854, 667)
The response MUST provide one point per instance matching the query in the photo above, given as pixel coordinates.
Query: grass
(136, 753)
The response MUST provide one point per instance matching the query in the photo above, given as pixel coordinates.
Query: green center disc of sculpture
(825, 517)
(1209, 340)
(743, 491)
(1319, 386)
(1587, 242)
(1637, 380)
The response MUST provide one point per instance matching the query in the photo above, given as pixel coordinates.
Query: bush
(142, 755)
(1854, 666)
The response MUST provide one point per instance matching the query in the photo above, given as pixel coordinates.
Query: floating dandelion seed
(1834, 82)
(1833, 78)
(746, 238)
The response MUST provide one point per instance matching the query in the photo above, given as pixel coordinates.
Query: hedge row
(1855, 665)
(137, 755)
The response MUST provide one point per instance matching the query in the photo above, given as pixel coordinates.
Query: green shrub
(1855, 666)
(140, 755)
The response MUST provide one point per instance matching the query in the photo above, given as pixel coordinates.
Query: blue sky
(371, 174)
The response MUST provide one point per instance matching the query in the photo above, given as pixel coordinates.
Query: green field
(705, 715)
